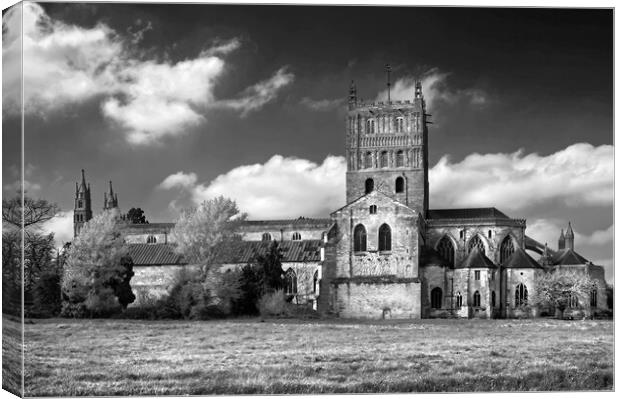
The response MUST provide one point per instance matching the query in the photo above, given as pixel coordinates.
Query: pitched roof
(521, 260)
(154, 255)
(429, 256)
(300, 221)
(568, 257)
(466, 213)
(476, 259)
(374, 193)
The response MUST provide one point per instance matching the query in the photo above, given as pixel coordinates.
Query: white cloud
(254, 97)
(321, 105)
(179, 180)
(579, 175)
(148, 99)
(280, 188)
(62, 227)
(435, 90)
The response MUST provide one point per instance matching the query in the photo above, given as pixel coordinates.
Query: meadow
(247, 356)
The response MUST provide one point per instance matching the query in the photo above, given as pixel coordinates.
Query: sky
(179, 103)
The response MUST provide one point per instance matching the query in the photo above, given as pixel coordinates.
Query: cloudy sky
(178, 103)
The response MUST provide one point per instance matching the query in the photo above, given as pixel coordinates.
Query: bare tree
(35, 211)
(558, 287)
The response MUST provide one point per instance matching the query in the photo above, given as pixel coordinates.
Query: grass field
(120, 357)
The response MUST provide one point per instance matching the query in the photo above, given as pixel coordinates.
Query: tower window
(446, 250)
(370, 126)
(151, 240)
(383, 159)
(266, 237)
(80, 204)
(477, 299)
(385, 238)
(369, 160)
(373, 209)
(400, 124)
(369, 186)
(296, 236)
(476, 242)
(359, 238)
(477, 275)
(436, 298)
(290, 282)
(400, 159)
(400, 185)
(521, 295)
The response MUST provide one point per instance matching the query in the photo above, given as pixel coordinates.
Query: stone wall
(154, 282)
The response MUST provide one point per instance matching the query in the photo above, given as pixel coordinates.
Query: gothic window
(359, 238)
(315, 282)
(574, 301)
(476, 242)
(385, 238)
(477, 275)
(521, 295)
(266, 237)
(400, 159)
(459, 300)
(383, 159)
(446, 250)
(151, 240)
(373, 209)
(368, 160)
(369, 186)
(290, 282)
(593, 298)
(296, 236)
(400, 184)
(492, 299)
(80, 204)
(476, 299)
(436, 298)
(490, 233)
(506, 249)
(370, 126)
(400, 124)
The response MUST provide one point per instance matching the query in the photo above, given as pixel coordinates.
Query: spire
(561, 240)
(570, 237)
(569, 231)
(83, 178)
(111, 191)
(110, 200)
(388, 69)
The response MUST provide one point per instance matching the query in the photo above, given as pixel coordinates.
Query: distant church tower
(387, 150)
(82, 212)
(110, 200)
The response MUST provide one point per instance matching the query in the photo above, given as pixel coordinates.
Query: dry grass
(11, 355)
(119, 357)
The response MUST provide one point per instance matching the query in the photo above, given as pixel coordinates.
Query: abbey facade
(385, 254)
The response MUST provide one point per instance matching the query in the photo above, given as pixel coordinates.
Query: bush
(46, 296)
(272, 304)
(74, 310)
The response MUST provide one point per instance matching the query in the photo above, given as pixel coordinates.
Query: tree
(35, 211)
(97, 269)
(556, 288)
(270, 265)
(136, 216)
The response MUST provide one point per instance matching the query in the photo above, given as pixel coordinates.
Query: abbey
(385, 254)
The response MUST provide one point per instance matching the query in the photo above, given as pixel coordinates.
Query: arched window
(400, 124)
(383, 159)
(359, 238)
(315, 282)
(506, 249)
(369, 185)
(459, 300)
(370, 126)
(290, 282)
(574, 301)
(296, 236)
(446, 250)
(476, 299)
(521, 295)
(492, 299)
(436, 298)
(400, 184)
(400, 159)
(476, 242)
(373, 209)
(593, 298)
(266, 237)
(368, 162)
(151, 240)
(461, 234)
(490, 233)
(80, 204)
(385, 238)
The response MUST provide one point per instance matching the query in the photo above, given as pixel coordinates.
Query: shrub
(75, 310)
(272, 304)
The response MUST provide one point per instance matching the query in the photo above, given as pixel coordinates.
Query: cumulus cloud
(282, 187)
(435, 90)
(579, 175)
(62, 227)
(148, 99)
(321, 105)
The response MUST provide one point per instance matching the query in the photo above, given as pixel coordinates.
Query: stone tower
(561, 241)
(387, 150)
(570, 237)
(82, 212)
(110, 200)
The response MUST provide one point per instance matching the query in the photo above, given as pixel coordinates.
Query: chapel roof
(476, 259)
(521, 260)
(568, 257)
(154, 255)
(466, 213)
